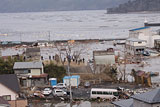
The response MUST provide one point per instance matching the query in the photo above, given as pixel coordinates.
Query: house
(141, 77)
(102, 59)
(135, 46)
(144, 33)
(33, 54)
(30, 73)
(10, 90)
(147, 99)
(4, 103)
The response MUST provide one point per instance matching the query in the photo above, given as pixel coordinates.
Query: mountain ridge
(136, 6)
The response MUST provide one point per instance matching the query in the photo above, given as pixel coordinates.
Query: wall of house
(35, 72)
(156, 105)
(143, 43)
(6, 91)
(154, 37)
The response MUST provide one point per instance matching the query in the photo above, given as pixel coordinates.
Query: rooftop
(10, 81)
(24, 65)
(149, 97)
(124, 103)
(141, 28)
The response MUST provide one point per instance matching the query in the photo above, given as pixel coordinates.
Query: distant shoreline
(140, 12)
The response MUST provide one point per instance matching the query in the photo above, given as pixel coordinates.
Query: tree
(6, 66)
(55, 71)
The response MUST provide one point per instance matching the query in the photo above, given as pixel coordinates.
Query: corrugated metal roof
(141, 28)
(124, 103)
(149, 97)
(23, 65)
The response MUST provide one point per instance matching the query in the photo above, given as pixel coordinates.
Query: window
(29, 71)
(7, 97)
(115, 93)
(139, 42)
(99, 92)
(93, 92)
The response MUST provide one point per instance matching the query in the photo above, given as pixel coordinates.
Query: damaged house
(30, 73)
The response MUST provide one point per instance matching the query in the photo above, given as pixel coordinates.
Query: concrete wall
(6, 91)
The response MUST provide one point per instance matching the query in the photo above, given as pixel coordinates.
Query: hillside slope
(136, 6)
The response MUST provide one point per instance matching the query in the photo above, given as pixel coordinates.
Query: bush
(55, 71)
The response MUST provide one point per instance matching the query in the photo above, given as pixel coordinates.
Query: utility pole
(69, 74)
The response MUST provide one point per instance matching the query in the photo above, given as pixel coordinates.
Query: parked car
(87, 84)
(59, 92)
(47, 91)
(60, 85)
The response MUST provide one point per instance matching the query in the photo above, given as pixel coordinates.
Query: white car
(59, 92)
(60, 85)
(47, 91)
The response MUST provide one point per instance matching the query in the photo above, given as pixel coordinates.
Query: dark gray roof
(124, 103)
(3, 102)
(10, 81)
(29, 50)
(149, 97)
(26, 65)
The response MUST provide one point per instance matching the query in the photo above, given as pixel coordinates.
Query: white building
(135, 46)
(144, 33)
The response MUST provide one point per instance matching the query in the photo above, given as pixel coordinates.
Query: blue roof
(73, 76)
(139, 28)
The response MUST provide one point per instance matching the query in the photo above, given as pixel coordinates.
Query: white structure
(103, 93)
(74, 80)
(135, 46)
(144, 33)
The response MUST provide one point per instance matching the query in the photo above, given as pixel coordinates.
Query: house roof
(10, 81)
(28, 50)
(3, 102)
(149, 97)
(26, 65)
(141, 28)
(124, 103)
